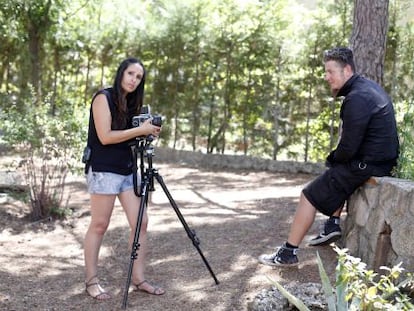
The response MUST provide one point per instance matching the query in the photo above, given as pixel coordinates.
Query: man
(368, 146)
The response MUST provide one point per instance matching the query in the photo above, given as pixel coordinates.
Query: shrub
(49, 145)
(357, 288)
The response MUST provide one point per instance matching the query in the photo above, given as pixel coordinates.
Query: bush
(357, 288)
(50, 147)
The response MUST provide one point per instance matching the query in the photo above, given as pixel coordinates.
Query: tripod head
(141, 148)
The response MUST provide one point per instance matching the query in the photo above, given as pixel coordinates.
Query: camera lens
(156, 120)
(135, 122)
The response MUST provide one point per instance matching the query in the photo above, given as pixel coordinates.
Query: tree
(320, 117)
(369, 37)
(228, 76)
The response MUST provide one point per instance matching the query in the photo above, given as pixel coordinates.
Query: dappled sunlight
(246, 194)
(34, 251)
(197, 291)
(43, 263)
(187, 195)
(266, 276)
(239, 263)
(234, 220)
(225, 196)
(197, 217)
(249, 217)
(164, 225)
(170, 258)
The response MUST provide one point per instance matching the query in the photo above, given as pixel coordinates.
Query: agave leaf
(292, 299)
(342, 304)
(326, 284)
(341, 284)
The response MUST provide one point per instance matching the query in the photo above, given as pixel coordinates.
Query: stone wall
(379, 226)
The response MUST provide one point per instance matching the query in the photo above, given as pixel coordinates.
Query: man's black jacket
(369, 131)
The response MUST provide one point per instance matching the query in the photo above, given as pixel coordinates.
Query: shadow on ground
(235, 215)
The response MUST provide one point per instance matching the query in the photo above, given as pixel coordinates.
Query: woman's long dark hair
(132, 104)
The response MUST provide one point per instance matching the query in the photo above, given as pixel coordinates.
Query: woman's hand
(150, 129)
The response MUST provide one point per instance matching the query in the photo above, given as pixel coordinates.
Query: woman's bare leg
(101, 210)
(131, 203)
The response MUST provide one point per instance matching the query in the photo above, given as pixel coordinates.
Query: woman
(110, 167)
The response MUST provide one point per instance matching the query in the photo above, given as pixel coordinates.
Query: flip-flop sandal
(157, 290)
(101, 295)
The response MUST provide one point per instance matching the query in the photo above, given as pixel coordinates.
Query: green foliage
(323, 131)
(405, 167)
(228, 76)
(366, 290)
(357, 288)
(49, 145)
(398, 73)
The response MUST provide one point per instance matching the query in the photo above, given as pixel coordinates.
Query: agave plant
(357, 288)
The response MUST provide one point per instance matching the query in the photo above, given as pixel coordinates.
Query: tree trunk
(35, 46)
(276, 110)
(369, 37)
(276, 115)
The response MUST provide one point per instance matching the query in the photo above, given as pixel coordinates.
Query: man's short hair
(342, 55)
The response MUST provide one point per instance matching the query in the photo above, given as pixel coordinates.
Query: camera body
(145, 114)
(141, 118)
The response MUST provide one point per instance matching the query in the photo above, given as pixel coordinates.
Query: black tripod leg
(135, 243)
(191, 234)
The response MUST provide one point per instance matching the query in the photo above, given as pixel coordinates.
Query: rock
(12, 181)
(311, 294)
(378, 226)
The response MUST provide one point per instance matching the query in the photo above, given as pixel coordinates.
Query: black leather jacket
(369, 131)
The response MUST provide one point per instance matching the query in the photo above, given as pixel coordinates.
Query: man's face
(336, 75)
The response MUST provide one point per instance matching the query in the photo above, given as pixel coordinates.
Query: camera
(145, 115)
(139, 119)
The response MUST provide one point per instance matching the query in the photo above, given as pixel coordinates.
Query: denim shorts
(108, 183)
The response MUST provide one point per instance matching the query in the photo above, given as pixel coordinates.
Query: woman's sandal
(101, 295)
(156, 289)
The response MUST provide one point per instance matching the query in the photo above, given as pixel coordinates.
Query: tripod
(143, 148)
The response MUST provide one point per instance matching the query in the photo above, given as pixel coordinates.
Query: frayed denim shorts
(108, 183)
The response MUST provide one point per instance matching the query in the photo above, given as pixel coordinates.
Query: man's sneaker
(331, 233)
(284, 256)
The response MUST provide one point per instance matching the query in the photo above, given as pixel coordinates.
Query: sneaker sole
(326, 240)
(276, 264)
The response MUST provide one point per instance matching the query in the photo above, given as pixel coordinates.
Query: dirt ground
(235, 215)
